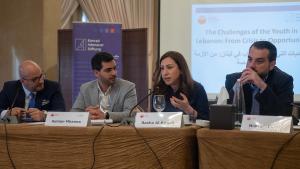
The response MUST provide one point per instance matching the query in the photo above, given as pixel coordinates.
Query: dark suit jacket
(49, 99)
(275, 100)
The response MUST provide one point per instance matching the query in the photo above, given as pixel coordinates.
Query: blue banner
(88, 39)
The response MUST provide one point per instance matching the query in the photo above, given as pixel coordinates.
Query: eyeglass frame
(35, 79)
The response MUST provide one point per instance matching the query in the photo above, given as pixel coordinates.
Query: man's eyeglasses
(42, 76)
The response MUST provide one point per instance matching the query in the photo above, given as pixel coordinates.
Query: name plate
(70, 119)
(279, 124)
(158, 119)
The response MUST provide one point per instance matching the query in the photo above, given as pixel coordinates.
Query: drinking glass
(159, 103)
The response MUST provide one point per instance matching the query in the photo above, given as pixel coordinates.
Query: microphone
(295, 113)
(8, 118)
(293, 104)
(130, 120)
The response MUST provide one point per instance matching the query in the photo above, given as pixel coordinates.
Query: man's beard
(264, 75)
(107, 81)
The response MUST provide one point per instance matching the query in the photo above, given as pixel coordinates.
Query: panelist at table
(267, 89)
(107, 96)
(173, 79)
(31, 95)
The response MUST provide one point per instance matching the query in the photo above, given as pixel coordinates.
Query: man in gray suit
(107, 96)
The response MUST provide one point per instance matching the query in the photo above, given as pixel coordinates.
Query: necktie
(255, 104)
(26, 117)
(31, 100)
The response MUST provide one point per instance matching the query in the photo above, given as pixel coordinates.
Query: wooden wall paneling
(65, 64)
(135, 65)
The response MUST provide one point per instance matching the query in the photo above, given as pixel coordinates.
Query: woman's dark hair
(185, 82)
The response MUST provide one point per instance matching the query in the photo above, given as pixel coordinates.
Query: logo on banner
(80, 44)
(87, 40)
(116, 56)
(108, 30)
(112, 30)
(88, 45)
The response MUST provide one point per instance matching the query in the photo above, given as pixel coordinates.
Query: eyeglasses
(35, 79)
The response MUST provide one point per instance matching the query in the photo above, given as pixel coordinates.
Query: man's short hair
(100, 57)
(266, 45)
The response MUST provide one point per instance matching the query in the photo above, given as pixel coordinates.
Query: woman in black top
(174, 80)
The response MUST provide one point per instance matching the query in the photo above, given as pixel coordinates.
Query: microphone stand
(8, 118)
(296, 115)
(131, 119)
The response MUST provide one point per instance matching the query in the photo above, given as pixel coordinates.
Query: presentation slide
(222, 33)
(215, 36)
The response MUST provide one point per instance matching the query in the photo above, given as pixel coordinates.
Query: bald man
(31, 96)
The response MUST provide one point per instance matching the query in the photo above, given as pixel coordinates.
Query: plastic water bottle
(239, 103)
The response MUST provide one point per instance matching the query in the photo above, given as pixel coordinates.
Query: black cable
(141, 100)
(282, 148)
(144, 140)
(6, 119)
(7, 148)
(112, 125)
(93, 147)
(147, 144)
(130, 124)
(94, 141)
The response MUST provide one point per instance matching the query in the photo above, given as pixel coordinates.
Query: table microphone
(295, 116)
(8, 118)
(293, 104)
(130, 120)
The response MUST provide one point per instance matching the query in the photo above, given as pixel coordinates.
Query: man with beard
(107, 96)
(267, 89)
(31, 96)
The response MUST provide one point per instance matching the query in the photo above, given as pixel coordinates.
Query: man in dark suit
(31, 96)
(267, 89)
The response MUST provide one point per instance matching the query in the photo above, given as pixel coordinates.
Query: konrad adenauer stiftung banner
(88, 39)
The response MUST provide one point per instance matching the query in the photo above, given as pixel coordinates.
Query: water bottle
(239, 103)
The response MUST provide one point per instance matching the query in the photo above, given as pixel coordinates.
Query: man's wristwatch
(106, 115)
(44, 115)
